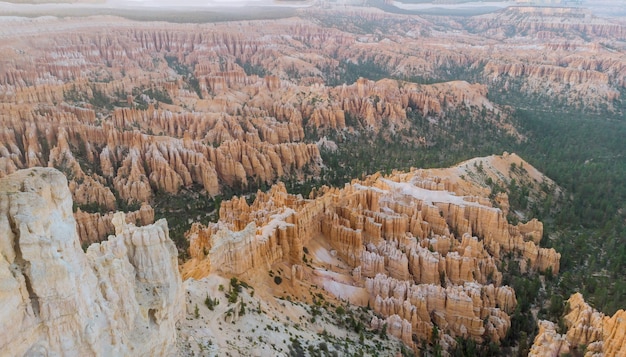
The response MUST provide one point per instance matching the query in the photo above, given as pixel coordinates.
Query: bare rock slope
(123, 297)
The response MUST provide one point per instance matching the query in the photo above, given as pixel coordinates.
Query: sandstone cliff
(123, 297)
(95, 227)
(599, 334)
(548, 341)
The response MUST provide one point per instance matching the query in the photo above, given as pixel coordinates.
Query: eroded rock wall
(123, 297)
(425, 246)
(588, 331)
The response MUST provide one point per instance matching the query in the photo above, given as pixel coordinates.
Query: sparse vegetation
(211, 302)
(181, 210)
(278, 280)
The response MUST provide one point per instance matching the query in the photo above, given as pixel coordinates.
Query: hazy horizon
(610, 8)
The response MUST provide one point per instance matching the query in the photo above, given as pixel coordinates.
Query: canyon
(421, 248)
(132, 109)
(109, 125)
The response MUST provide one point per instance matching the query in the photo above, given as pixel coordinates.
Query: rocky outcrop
(469, 310)
(395, 326)
(251, 237)
(587, 326)
(113, 55)
(599, 334)
(139, 163)
(552, 73)
(584, 323)
(567, 60)
(95, 227)
(424, 245)
(122, 297)
(548, 341)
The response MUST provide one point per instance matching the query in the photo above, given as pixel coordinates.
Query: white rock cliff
(122, 298)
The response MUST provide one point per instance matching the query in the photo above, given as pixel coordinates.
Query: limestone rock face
(95, 227)
(247, 238)
(425, 246)
(584, 323)
(603, 335)
(548, 342)
(123, 297)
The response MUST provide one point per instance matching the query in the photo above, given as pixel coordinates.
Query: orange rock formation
(424, 248)
(94, 227)
(602, 335)
(126, 109)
